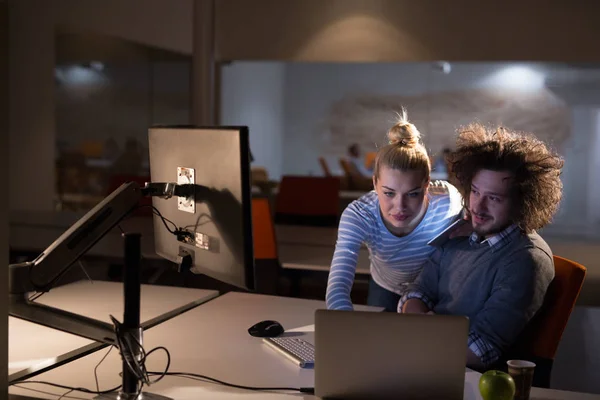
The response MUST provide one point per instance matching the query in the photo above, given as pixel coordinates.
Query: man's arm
(422, 295)
(474, 361)
(517, 294)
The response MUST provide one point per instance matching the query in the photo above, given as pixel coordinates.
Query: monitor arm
(168, 190)
(43, 273)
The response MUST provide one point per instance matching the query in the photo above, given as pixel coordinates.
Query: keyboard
(299, 351)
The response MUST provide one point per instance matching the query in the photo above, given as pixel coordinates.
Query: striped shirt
(395, 261)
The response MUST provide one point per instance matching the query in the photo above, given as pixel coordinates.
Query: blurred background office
(87, 79)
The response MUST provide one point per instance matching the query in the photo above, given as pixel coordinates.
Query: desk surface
(31, 344)
(212, 339)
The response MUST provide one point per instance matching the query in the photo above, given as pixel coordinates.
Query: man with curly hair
(498, 275)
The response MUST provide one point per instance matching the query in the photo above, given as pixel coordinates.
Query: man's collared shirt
(497, 241)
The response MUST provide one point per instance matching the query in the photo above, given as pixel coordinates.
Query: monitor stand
(99, 331)
(131, 387)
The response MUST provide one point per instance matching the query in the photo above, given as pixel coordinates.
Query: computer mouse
(266, 329)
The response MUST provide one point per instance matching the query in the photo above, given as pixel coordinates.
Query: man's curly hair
(536, 168)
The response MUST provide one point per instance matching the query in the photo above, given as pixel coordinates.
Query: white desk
(31, 344)
(212, 339)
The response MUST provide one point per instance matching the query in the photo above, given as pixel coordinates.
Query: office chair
(356, 181)
(308, 200)
(325, 167)
(541, 337)
(370, 159)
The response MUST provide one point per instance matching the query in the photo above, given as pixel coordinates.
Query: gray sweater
(499, 288)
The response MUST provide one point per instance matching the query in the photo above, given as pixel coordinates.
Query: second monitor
(211, 228)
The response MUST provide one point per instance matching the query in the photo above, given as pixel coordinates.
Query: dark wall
(407, 30)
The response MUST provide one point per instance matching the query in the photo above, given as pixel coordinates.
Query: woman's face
(401, 195)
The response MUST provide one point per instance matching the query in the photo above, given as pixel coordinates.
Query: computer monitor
(214, 235)
(200, 182)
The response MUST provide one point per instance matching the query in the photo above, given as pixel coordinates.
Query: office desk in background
(35, 231)
(308, 248)
(212, 340)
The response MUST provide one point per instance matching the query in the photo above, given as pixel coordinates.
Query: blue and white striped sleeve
(352, 232)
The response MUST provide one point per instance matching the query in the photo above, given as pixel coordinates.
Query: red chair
(308, 200)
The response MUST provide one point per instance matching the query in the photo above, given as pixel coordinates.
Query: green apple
(496, 385)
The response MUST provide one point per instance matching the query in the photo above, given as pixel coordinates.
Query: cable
(138, 368)
(74, 389)
(49, 393)
(96, 367)
(198, 223)
(182, 234)
(164, 219)
(62, 396)
(127, 353)
(85, 271)
(165, 372)
(213, 380)
(196, 377)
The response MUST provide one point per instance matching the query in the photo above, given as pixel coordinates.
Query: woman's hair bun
(403, 133)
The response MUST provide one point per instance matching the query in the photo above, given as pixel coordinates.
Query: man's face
(491, 201)
(401, 195)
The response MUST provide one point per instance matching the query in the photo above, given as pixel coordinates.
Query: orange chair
(370, 159)
(266, 259)
(541, 337)
(263, 230)
(344, 180)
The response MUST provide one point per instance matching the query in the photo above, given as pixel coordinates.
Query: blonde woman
(395, 221)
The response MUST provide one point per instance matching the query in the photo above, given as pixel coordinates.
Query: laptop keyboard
(299, 351)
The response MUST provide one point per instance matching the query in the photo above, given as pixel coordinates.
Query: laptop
(379, 355)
